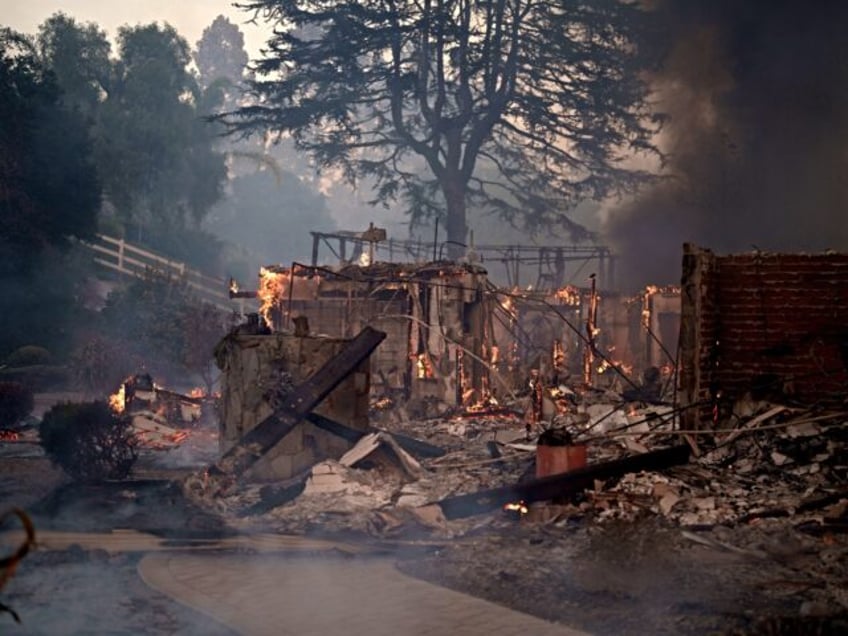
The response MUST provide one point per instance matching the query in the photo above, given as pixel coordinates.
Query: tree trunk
(456, 227)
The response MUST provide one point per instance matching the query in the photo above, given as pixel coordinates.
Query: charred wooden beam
(560, 485)
(305, 397)
(180, 396)
(271, 497)
(409, 444)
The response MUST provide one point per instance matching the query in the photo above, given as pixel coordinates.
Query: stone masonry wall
(254, 365)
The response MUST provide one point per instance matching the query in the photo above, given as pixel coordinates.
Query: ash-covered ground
(608, 562)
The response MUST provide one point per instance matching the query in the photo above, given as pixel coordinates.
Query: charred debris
(387, 397)
(394, 397)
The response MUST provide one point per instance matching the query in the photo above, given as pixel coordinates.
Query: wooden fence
(125, 258)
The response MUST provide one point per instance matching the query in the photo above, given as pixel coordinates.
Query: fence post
(121, 255)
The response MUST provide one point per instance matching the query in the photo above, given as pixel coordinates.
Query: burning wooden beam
(302, 399)
(560, 485)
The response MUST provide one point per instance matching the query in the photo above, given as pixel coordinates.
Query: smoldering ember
(222, 413)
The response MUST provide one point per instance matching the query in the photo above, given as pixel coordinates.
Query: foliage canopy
(37, 175)
(544, 94)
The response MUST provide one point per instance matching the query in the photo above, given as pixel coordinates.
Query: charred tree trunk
(457, 229)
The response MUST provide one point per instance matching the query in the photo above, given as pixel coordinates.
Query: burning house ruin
(455, 338)
(453, 341)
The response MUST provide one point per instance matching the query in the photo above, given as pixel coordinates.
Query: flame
(558, 355)
(423, 368)
(273, 287)
(488, 402)
(234, 286)
(383, 403)
(568, 295)
(495, 355)
(197, 392)
(517, 506)
(118, 400)
(645, 298)
(165, 442)
(609, 362)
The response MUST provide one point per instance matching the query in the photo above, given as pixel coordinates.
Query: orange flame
(118, 400)
(650, 291)
(273, 287)
(518, 506)
(422, 365)
(568, 295)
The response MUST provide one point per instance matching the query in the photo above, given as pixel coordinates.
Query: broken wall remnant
(766, 324)
(258, 370)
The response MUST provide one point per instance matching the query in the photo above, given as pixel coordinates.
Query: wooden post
(560, 485)
(315, 241)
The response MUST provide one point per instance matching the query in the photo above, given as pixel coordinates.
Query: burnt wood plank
(560, 485)
(409, 444)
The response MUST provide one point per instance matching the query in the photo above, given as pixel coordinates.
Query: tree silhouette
(428, 98)
(220, 53)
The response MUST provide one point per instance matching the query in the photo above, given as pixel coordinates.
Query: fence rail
(126, 258)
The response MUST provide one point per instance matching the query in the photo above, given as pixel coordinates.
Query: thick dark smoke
(757, 94)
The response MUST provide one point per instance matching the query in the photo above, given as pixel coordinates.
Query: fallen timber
(560, 485)
(409, 444)
(302, 399)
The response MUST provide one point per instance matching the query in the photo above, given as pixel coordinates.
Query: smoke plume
(757, 98)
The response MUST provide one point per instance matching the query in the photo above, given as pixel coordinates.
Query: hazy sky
(188, 17)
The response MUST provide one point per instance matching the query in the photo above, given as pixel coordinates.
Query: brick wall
(775, 325)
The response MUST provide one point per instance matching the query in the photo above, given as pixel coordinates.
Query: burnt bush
(16, 402)
(89, 441)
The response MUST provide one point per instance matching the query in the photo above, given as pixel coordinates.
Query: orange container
(553, 460)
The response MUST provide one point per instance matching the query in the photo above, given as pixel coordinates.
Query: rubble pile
(776, 463)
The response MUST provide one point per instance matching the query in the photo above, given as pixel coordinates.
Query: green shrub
(28, 356)
(89, 441)
(16, 402)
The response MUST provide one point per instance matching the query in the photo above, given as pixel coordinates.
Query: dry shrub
(89, 441)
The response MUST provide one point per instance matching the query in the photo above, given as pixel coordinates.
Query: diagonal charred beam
(305, 397)
(560, 485)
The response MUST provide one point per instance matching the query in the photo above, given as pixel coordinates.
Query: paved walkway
(329, 596)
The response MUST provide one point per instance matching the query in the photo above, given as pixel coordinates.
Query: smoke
(757, 98)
